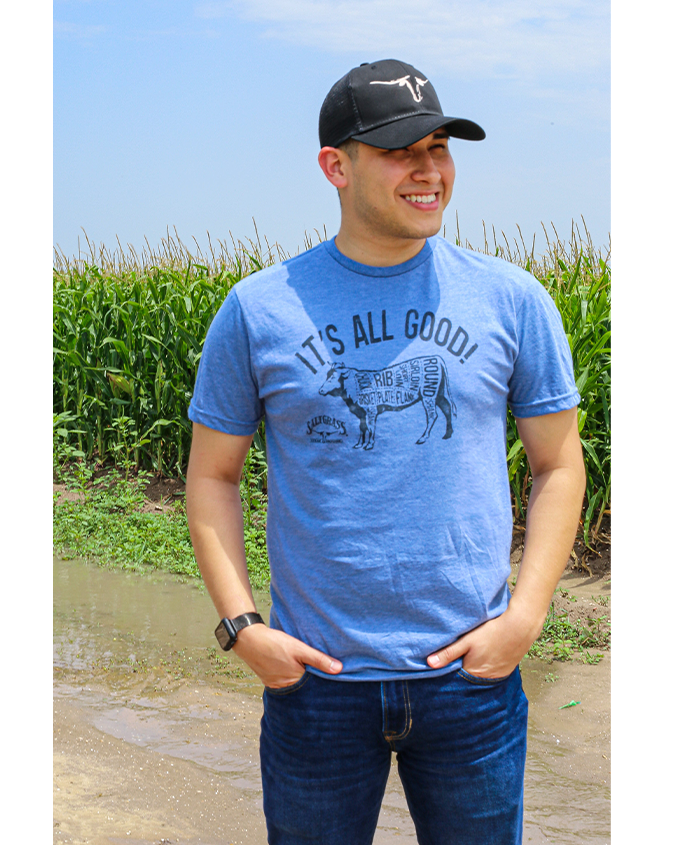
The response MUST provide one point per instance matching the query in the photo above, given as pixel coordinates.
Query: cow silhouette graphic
(368, 393)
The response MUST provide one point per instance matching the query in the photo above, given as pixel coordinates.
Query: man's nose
(425, 168)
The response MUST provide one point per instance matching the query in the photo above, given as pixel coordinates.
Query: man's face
(400, 193)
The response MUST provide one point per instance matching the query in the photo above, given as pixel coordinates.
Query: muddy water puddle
(156, 730)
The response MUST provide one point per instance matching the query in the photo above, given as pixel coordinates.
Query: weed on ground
(106, 522)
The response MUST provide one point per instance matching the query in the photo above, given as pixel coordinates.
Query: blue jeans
(460, 742)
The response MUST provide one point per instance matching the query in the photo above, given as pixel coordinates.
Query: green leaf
(516, 448)
(581, 417)
(581, 380)
(591, 451)
(120, 384)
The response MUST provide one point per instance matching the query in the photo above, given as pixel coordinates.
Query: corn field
(129, 329)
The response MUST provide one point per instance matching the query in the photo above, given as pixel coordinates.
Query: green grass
(107, 526)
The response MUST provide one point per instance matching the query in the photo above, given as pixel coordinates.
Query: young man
(383, 363)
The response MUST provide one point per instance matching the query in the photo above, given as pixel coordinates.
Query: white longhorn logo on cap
(417, 96)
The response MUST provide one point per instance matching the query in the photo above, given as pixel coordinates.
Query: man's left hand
(494, 649)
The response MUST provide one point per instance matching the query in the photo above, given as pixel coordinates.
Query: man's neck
(377, 252)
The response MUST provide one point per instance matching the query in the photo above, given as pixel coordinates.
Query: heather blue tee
(384, 392)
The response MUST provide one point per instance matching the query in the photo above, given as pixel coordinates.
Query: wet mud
(156, 730)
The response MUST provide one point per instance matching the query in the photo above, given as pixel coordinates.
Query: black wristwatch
(226, 632)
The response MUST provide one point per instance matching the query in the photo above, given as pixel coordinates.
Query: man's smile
(426, 200)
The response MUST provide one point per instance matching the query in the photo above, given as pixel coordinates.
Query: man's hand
(278, 659)
(494, 649)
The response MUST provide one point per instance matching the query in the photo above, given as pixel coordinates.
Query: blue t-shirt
(384, 392)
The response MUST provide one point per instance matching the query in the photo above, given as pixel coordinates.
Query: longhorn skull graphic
(404, 80)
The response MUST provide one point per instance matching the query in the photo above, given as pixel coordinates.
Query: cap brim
(407, 130)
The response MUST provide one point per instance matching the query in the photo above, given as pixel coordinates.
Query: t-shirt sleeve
(543, 381)
(226, 394)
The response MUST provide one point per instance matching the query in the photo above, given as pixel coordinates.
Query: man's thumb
(447, 654)
(321, 661)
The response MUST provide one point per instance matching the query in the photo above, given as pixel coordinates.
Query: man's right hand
(278, 659)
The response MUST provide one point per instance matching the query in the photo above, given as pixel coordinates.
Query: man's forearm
(214, 511)
(553, 516)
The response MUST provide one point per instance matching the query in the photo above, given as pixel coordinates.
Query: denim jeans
(460, 742)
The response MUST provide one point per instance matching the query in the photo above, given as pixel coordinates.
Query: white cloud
(77, 30)
(210, 10)
(476, 38)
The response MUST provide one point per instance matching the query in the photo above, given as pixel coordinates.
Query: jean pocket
(296, 685)
(482, 682)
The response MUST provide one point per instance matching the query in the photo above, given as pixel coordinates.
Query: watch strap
(245, 620)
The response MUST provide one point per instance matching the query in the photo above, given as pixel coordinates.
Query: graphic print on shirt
(368, 393)
(324, 429)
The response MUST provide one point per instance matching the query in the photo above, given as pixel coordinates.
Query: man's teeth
(423, 198)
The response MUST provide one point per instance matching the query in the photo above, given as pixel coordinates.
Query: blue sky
(203, 115)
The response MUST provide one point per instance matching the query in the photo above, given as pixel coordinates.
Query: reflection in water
(123, 643)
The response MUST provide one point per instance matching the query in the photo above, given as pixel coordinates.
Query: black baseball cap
(387, 104)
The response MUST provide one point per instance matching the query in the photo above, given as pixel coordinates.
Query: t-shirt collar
(368, 270)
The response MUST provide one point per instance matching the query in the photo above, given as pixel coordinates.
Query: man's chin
(425, 228)
(406, 229)
(433, 230)
(427, 231)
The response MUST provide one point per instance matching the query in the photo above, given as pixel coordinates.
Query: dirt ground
(150, 757)
(110, 789)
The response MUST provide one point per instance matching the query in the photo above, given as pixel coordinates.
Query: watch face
(224, 637)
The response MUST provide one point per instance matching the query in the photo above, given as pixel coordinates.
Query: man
(383, 363)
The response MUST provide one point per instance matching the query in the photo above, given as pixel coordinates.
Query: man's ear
(335, 165)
